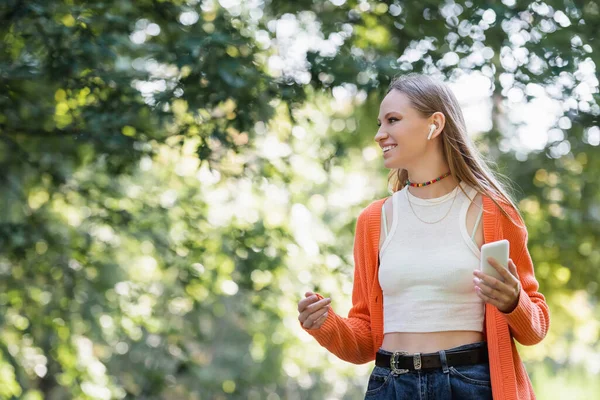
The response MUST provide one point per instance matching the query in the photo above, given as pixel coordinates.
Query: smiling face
(402, 125)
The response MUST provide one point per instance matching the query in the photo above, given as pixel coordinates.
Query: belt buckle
(394, 360)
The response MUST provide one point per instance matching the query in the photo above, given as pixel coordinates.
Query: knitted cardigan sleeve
(350, 338)
(530, 320)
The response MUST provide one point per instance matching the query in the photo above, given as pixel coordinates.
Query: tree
(151, 152)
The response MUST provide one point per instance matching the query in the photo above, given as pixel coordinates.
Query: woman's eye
(390, 120)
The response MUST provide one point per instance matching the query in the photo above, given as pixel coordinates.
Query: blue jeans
(445, 383)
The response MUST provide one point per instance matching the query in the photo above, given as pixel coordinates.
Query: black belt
(405, 362)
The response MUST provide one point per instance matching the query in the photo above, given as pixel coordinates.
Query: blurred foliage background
(175, 174)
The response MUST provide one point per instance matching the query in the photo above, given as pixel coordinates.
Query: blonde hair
(427, 96)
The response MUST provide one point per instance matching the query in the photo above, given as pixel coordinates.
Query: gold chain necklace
(427, 222)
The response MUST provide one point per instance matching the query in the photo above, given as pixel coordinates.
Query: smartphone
(498, 250)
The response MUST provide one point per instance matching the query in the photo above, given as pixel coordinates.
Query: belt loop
(443, 361)
(417, 361)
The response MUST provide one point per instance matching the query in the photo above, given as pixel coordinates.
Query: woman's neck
(433, 190)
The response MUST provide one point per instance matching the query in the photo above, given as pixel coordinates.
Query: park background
(174, 175)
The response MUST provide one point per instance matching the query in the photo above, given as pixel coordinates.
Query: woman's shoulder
(506, 213)
(374, 206)
(371, 214)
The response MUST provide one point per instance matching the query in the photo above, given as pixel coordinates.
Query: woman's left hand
(503, 295)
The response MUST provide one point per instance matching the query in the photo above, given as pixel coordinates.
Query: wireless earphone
(431, 129)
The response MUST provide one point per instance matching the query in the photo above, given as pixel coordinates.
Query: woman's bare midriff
(428, 342)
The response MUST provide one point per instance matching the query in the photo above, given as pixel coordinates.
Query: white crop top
(426, 270)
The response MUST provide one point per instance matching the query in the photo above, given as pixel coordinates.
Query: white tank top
(426, 270)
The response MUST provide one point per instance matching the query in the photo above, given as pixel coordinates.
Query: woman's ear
(439, 120)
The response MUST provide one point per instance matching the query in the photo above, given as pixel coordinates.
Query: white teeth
(386, 148)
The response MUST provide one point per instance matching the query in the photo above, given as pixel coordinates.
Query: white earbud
(431, 129)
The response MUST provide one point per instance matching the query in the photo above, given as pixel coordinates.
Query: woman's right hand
(313, 312)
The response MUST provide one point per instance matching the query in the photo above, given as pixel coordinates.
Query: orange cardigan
(357, 338)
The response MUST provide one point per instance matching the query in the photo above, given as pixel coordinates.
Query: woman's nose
(379, 136)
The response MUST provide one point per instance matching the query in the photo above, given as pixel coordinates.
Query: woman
(436, 326)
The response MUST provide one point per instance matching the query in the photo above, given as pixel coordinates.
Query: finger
(318, 305)
(308, 310)
(512, 268)
(492, 293)
(314, 317)
(302, 304)
(488, 299)
(307, 323)
(504, 273)
(319, 322)
(494, 283)
(306, 319)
